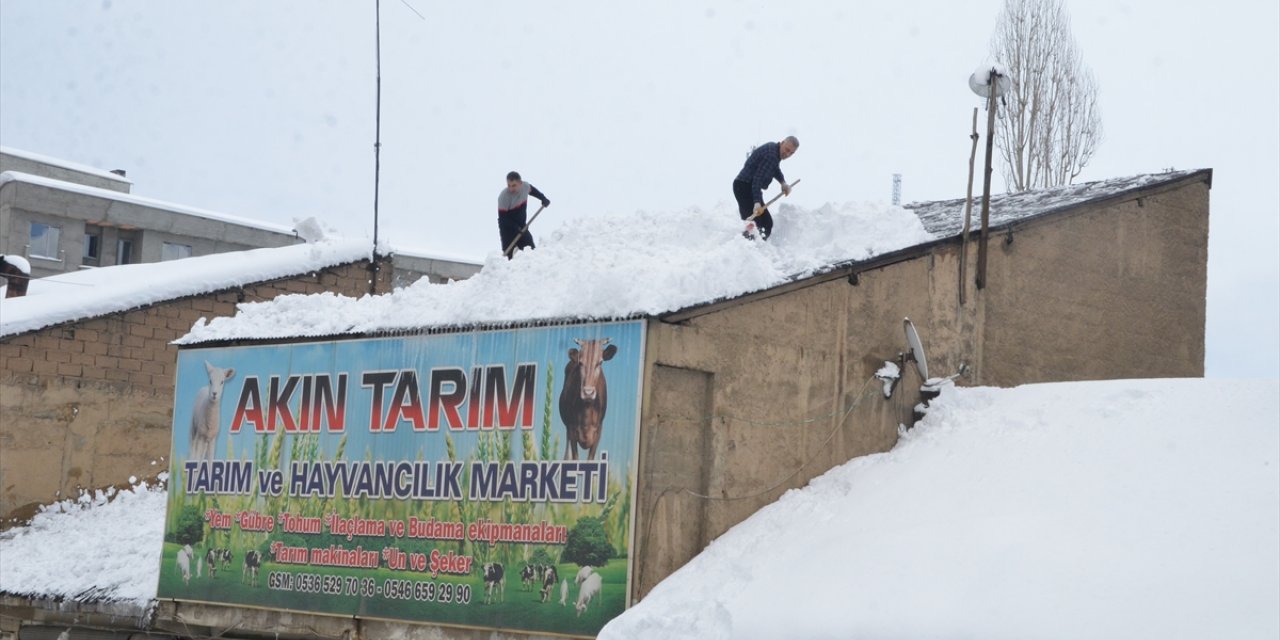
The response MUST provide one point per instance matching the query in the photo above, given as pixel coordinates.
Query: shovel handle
(772, 200)
(507, 251)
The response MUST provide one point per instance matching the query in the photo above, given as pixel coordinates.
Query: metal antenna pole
(986, 180)
(968, 211)
(377, 139)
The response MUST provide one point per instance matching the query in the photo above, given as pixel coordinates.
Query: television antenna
(990, 82)
(930, 388)
(915, 352)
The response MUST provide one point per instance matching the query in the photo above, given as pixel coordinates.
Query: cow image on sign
(585, 396)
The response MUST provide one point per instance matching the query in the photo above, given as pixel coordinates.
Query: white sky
(1115, 509)
(266, 111)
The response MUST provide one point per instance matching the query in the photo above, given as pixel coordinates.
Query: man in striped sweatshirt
(513, 209)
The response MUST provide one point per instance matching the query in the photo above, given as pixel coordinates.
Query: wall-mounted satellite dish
(980, 81)
(917, 349)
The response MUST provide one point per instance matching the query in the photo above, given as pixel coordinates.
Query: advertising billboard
(481, 479)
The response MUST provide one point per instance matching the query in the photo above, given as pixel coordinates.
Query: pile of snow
(610, 266)
(1119, 509)
(102, 546)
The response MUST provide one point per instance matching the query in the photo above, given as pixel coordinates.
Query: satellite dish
(980, 81)
(917, 349)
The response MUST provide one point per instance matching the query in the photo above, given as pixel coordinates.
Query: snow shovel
(512, 246)
(750, 232)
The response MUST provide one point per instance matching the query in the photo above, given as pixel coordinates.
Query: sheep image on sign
(585, 396)
(204, 414)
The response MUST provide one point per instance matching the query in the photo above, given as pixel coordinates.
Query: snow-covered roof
(604, 267)
(946, 217)
(95, 292)
(994, 515)
(634, 265)
(62, 185)
(594, 268)
(65, 164)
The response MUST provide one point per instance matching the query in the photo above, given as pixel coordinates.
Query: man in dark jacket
(760, 169)
(512, 210)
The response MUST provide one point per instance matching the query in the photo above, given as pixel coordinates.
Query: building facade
(747, 397)
(63, 217)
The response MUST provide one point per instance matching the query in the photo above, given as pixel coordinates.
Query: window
(124, 251)
(92, 246)
(45, 241)
(173, 251)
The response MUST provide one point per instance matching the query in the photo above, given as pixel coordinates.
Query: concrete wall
(1105, 292)
(745, 403)
(410, 268)
(749, 398)
(88, 404)
(22, 203)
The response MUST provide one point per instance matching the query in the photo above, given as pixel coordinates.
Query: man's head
(514, 181)
(788, 146)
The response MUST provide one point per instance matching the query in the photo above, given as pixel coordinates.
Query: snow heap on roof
(609, 266)
(102, 546)
(95, 292)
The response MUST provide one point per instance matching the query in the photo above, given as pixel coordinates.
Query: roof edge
(851, 269)
(220, 290)
(405, 332)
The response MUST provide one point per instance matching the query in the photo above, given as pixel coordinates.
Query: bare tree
(1052, 127)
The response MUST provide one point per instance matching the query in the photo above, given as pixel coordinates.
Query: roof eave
(850, 269)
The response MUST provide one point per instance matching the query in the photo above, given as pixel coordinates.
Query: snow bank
(1118, 509)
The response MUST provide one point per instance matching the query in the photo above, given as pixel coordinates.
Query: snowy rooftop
(946, 217)
(65, 164)
(95, 292)
(597, 267)
(1113, 509)
(619, 266)
(62, 185)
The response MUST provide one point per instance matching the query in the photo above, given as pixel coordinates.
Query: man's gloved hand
(546, 202)
(759, 209)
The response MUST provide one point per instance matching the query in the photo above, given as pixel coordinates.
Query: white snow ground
(1116, 509)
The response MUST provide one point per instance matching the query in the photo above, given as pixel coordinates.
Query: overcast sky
(267, 110)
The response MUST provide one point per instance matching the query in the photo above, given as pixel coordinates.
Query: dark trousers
(742, 193)
(510, 224)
